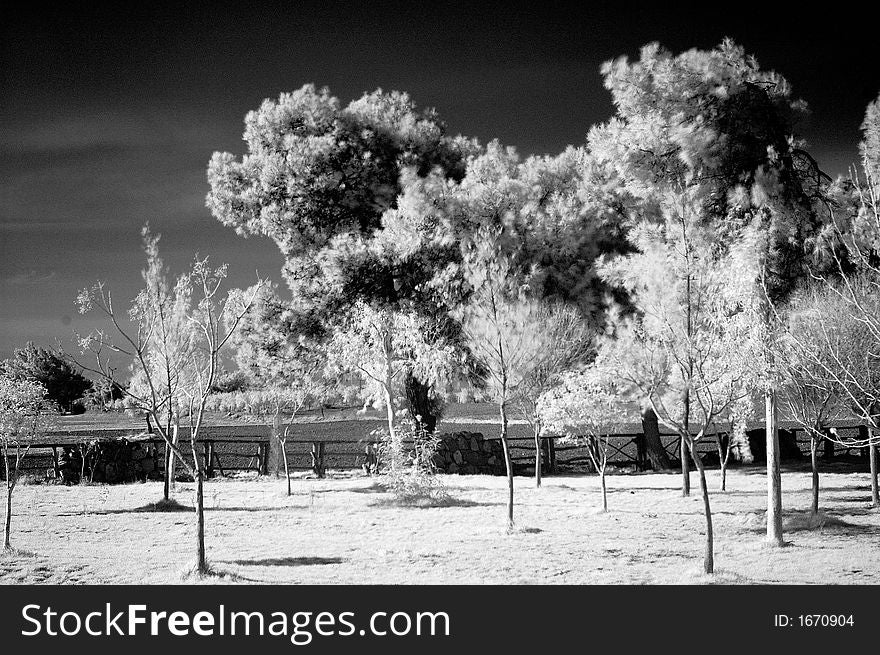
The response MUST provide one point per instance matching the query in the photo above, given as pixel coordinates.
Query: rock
(452, 469)
(457, 457)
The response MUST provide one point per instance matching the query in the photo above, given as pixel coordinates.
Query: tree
(212, 320)
(279, 405)
(318, 179)
(499, 324)
(712, 123)
(384, 347)
(280, 363)
(818, 337)
(568, 344)
(690, 346)
(64, 384)
(585, 407)
(734, 419)
(21, 421)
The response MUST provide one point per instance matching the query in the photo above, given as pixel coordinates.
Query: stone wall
(469, 453)
(111, 461)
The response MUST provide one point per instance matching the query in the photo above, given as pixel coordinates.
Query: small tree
(278, 405)
(585, 407)
(383, 346)
(502, 330)
(734, 420)
(691, 347)
(567, 344)
(212, 321)
(21, 421)
(814, 340)
(64, 384)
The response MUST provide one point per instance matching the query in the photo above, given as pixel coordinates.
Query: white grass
(346, 530)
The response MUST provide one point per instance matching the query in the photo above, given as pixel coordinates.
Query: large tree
(318, 178)
(712, 124)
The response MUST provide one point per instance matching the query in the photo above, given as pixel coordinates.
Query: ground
(346, 530)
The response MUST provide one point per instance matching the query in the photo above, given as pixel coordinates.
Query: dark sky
(110, 114)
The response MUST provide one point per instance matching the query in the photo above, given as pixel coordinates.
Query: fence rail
(222, 454)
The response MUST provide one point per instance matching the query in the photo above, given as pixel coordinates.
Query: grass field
(346, 530)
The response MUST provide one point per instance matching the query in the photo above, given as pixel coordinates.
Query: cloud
(29, 278)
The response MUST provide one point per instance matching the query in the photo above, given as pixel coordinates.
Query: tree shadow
(430, 503)
(797, 521)
(159, 507)
(286, 561)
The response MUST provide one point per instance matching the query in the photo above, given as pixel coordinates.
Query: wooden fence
(321, 449)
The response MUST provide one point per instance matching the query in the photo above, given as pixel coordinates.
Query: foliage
(21, 421)
(64, 384)
(383, 347)
(583, 404)
(712, 127)
(315, 170)
(406, 465)
(230, 382)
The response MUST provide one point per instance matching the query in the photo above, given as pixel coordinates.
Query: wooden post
(55, 466)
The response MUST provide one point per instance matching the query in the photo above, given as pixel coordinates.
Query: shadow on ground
(286, 561)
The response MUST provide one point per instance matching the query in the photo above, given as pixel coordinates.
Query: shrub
(406, 465)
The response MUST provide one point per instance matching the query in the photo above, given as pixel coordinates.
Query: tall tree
(690, 346)
(318, 178)
(713, 124)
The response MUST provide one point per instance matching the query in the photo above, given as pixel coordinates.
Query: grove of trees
(686, 264)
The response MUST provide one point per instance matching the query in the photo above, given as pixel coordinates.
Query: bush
(406, 465)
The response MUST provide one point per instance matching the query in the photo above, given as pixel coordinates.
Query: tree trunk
(709, 556)
(538, 454)
(653, 446)
(175, 439)
(7, 527)
(685, 470)
(418, 398)
(814, 468)
(604, 489)
(286, 465)
(723, 455)
(166, 483)
(276, 447)
(201, 560)
(872, 456)
(199, 478)
(774, 473)
(508, 463)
